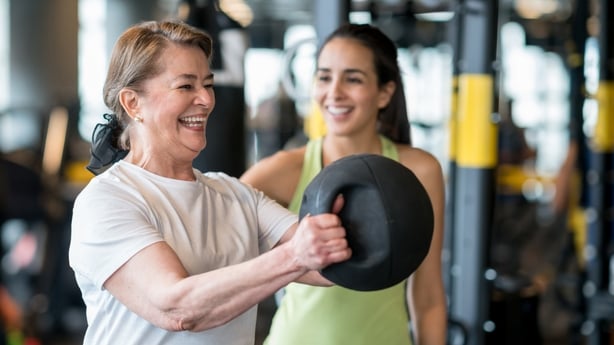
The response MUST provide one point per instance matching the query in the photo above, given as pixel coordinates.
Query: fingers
(339, 256)
(320, 241)
(338, 204)
(338, 250)
(330, 252)
(326, 220)
(324, 227)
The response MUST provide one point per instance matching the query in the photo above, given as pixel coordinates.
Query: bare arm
(426, 295)
(277, 176)
(314, 277)
(154, 284)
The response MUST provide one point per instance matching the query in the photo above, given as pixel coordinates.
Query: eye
(186, 86)
(323, 77)
(354, 80)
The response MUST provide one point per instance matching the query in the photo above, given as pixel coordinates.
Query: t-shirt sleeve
(273, 221)
(109, 226)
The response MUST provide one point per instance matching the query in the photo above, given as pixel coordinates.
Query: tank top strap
(312, 164)
(389, 149)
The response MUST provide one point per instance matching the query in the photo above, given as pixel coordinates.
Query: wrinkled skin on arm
(155, 285)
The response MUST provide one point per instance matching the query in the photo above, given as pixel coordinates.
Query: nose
(205, 97)
(335, 89)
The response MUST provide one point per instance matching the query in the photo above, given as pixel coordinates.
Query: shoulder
(277, 175)
(281, 163)
(107, 198)
(224, 184)
(290, 156)
(111, 184)
(422, 163)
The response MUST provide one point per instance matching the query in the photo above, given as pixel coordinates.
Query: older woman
(165, 254)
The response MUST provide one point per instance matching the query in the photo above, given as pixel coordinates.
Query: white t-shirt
(212, 222)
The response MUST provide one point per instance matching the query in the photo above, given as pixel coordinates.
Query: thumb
(338, 204)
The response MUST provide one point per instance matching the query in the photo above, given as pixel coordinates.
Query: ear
(129, 100)
(385, 94)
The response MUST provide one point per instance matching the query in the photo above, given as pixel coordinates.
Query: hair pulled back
(393, 121)
(135, 58)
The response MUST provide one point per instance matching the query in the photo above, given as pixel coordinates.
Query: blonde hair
(135, 58)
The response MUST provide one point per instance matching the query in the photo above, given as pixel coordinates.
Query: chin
(338, 131)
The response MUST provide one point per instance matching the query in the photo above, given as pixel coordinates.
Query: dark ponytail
(393, 121)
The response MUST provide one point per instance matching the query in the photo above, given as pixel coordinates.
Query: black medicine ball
(387, 215)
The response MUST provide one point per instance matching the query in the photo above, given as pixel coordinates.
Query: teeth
(193, 121)
(338, 110)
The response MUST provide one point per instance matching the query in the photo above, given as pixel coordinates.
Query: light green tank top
(310, 315)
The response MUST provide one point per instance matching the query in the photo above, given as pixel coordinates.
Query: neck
(334, 148)
(170, 167)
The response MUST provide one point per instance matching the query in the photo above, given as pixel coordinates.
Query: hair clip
(104, 150)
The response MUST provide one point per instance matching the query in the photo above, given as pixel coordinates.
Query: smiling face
(174, 106)
(346, 87)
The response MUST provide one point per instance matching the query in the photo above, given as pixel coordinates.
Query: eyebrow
(193, 77)
(345, 71)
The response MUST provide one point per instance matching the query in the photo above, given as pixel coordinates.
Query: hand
(320, 239)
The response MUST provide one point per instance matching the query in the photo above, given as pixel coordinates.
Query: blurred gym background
(513, 96)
